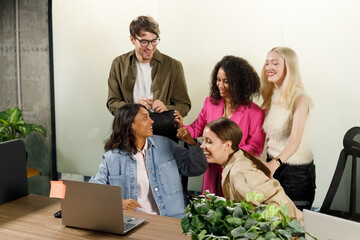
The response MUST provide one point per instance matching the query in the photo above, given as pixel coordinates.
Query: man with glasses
(147, 76)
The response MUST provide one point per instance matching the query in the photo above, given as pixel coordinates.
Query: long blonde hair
(291, 82)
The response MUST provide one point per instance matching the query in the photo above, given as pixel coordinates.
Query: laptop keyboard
(128, 226)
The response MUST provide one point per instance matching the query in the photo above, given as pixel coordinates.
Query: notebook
(326, 227)
(96, 207)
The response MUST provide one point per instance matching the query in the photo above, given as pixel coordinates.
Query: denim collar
(151, 142)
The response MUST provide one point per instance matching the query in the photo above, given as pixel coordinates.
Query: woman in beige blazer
(242, 172)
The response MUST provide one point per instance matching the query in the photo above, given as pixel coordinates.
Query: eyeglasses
(145, 43)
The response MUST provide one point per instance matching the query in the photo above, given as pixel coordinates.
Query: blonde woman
(287, 105)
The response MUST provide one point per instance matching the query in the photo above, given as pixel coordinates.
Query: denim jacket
(165, 161)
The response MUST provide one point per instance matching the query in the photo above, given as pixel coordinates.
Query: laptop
(96, 207)
(326, 227)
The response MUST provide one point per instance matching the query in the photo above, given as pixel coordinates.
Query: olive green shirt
(168, 82)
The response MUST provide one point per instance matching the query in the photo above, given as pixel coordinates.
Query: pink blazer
(250, 120)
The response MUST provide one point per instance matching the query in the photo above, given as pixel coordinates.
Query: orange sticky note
(57, 189)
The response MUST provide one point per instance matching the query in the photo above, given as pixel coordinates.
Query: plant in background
(213, 217)
(12, 125)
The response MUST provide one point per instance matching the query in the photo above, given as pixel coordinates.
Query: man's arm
(179, 98)
(115, 97)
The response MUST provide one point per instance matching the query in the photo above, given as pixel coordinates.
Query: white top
(145, 196)
(277, 126)
(143, 81)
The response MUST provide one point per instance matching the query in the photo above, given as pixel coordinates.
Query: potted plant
(213, 217)
(12, 125)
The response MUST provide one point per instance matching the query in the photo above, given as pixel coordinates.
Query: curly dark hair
(244, 82)
(122, 136)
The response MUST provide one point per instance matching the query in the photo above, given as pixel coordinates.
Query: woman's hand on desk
(130, 204)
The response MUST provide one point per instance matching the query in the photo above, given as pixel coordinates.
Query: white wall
(89, 34)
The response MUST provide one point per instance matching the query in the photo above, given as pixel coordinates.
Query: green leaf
(40, 129)
(247, 207)
(264, 226)
(250, 235)
(212, 216)
(197, 223)
(214, 229)
(219, 201)
(250, 223)
(273, 210)
(188, 210)
(270, 236)
(201, 207)
(186, 224)
(25, 129)
(257, 216)
(2, 128)
(274, 223)
(284, 209)
(253, 197)
(238, 232)
(285, 233)
(234, 221)
(223, 211)
(285, 220)
(238, 212)
(206, 192)
(296, 226)
(202, 234)
(2, 114)
(3, 122)
(13, 115)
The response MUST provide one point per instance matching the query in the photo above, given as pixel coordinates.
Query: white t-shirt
(145, 196)
(143, 81)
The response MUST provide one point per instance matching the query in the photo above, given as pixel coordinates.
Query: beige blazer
(241, 176)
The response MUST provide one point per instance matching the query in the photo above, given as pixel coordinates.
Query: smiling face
(275, 68)
(216, 151)
(222, 83)
(144, 54)
(142, 125)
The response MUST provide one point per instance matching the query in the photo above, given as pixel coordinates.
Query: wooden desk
(32, 217)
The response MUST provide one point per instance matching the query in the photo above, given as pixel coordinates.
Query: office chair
(13, 174)
(343, 197)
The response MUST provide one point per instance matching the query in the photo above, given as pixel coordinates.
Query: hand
(147, 102)
(158, 106)
(272, 166)
(130, 204)
(179, 120)
(184, 135)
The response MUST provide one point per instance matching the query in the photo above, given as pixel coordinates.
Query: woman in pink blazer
(233, 84)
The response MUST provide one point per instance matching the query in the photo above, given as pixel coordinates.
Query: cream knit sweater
(277, 126)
